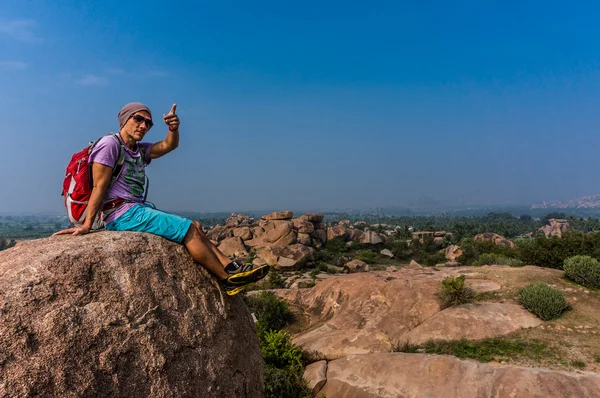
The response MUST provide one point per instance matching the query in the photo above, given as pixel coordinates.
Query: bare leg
(222, 258)
(199, 247)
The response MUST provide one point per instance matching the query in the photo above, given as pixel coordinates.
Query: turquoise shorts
(144, 218)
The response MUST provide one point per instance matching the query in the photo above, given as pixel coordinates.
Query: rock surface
(366, 312)
(495, 239)
(315, 375)
(418, 375)
(120, 314)
(453, 252)
(556, 227)
(474, 321)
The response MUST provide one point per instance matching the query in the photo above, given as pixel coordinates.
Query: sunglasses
(140, 119)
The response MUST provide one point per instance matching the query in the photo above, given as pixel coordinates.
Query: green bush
(283, 366)
(584, 270)
(497, 259)
(272, 313)
(367, 256)
(430, 260)
(474, 249)
(544, 301)
(454, 292)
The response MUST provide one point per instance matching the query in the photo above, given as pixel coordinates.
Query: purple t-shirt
(131, 182)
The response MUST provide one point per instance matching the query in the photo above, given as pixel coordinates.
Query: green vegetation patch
(487, 350)
(272, 313)
(544, 301)
(497, 259)
(584, 270)
(454, 292)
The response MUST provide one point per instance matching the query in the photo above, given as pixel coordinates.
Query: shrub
(272, 313)
(367, 256)
(283, 366)
(454, 292)
(274, 280)
(584, 270)
(544, 301)
(497, 259)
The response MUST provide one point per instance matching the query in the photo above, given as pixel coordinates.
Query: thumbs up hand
(171, 119)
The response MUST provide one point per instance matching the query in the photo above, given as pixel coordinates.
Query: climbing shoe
(243, 274)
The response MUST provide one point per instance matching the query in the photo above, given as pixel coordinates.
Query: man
(124, 205)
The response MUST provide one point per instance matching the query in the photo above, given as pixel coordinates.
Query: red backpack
(78, 183)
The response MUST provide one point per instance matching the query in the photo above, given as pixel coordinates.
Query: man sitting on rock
(124, 205)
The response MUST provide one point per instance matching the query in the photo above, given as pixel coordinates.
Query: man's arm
(171, 141)
(102, 176)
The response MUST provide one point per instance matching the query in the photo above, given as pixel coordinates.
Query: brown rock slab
(282, 235)
(120, 314)
(387, 253)
(495, 239)
(419, 375)
(315, 375)
(356, 266)
(414, 265)
(303, 226)
(338, 231)
(279, 215)
(219, 233)
(453, 252)
(371, 237)
(233, 247)
(292, 257)
(244, 233)
(473, 322)
(304, 239)
(313, 217)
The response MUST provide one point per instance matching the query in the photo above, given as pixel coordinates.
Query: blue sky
(308, 105)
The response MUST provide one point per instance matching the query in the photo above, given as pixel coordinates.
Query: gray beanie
(128, 110)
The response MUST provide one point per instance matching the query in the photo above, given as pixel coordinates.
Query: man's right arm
(102, 176)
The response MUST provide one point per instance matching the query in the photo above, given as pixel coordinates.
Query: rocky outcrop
(556, 227)
(233, 247)
(315, 375)
(478, 321)
(285, 258)
(387, 253)
(364, 312)
(120, 314)
(419, 375)
(274, 229)
(453, 252)
(279, 215)
(495, 239)
(356, 266)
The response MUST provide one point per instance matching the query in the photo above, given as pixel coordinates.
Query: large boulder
(313, 217)
(495, 239)
(238, 220)
(120, 314)
(219, 232)
(287, 258)
(303, 226)
(371, 237)
(453, 252)
(283, 235)
(556, 227)
(420, 375)
(233, 247)
(338, 231)
(356, 266)
(279, 215)
(243, 232)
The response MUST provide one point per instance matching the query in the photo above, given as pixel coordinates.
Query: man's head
(135, 120)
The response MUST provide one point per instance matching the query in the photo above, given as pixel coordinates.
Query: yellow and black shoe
(241, 275)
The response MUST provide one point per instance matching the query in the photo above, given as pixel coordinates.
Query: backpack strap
(145, 159)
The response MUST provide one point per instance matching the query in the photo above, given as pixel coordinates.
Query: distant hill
(585, 202)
